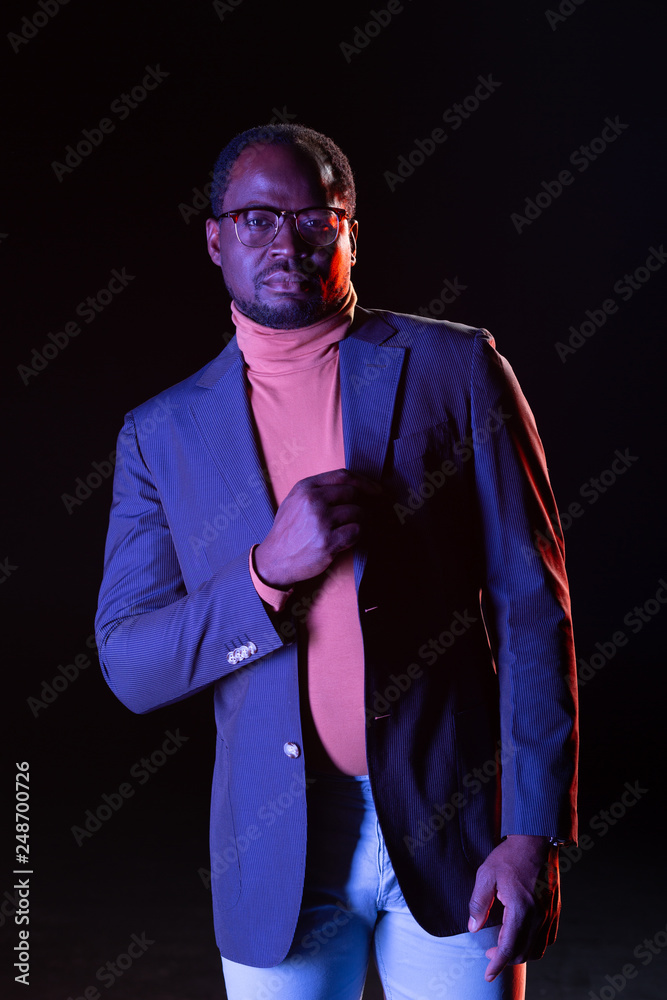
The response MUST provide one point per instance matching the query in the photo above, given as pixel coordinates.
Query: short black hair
(320, 147)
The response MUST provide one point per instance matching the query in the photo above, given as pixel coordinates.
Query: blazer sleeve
(157, 642)
(526, 604)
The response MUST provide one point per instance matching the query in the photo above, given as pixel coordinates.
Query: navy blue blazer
(463, 603)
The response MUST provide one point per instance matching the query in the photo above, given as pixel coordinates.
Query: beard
(292, 314)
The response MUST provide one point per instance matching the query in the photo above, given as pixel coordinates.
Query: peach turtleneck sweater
(294, 389)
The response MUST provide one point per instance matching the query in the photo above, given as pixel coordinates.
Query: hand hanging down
(522, 872)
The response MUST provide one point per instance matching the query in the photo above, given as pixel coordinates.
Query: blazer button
(292, 749)
(241, 652)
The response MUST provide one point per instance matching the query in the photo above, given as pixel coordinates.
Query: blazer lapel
(369, 378)
(224, 419)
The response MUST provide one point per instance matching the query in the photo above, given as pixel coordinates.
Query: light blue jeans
(352, 903)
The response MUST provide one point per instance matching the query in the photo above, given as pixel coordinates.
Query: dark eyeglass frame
(340, 214)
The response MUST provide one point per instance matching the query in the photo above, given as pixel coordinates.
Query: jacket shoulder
(410, 330)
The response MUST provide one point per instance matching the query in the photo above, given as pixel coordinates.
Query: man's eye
(320, 222)
(258, 222)
(316, 225)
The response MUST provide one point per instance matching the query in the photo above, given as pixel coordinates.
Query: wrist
(264, 571)
(261, 566)
(537, 845)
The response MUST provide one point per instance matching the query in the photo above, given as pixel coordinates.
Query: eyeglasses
(257, 227)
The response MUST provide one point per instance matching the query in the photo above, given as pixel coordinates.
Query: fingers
(512, 949)
(345, 513)
(525, 933)
(512, 943)
(499, 960)
(343, 538)
(343, 477)
(333, 496)
(320, 517)
(340, 497)
(481, 900)
(523, 874)
(555, 915)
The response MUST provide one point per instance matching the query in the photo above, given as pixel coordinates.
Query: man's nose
(287, 240)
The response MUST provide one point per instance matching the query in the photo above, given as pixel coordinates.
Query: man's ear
(354, 229)
(213, 240)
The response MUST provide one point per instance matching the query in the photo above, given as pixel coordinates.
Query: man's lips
(288, 281)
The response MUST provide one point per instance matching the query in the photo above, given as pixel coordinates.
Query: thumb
(480, 903)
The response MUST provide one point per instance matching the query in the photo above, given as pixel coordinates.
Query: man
(336, 529)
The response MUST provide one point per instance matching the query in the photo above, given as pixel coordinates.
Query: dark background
(128, 205)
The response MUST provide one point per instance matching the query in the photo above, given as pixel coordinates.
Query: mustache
(306, 273)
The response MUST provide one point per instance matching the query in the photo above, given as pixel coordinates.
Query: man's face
(289, 283)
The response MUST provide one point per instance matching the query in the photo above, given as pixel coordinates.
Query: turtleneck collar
(275, 352)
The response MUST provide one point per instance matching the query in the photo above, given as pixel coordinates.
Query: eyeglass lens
(257, 227)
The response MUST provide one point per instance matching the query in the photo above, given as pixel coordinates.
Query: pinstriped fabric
(469, 664)
(528, 596)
